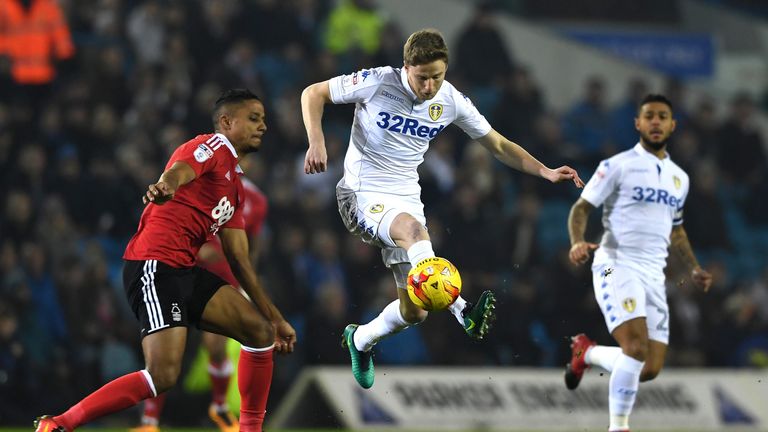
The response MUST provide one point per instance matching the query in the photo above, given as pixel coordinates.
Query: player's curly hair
(425, 46)
(231, 97)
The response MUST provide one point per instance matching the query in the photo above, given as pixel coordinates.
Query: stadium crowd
(77, 152)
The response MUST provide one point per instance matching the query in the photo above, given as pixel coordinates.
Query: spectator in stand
(588, 122)
(214, 27)
(321, 265)
(34, 34)
(476, 66)
(622, 128)
(705, 210)
(704, 125)
(328, 313)
(354, 28)
(519, 106)
(146, 30)
(677, 92)
(13, 365)
(741, 151)
(278, 24)
(521, 248)
(19, 218)
(549, 139)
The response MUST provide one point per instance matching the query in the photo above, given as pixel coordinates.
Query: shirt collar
(404, 81)
(229, 144)
(645, 153)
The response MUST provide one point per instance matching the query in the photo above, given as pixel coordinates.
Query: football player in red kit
(211, 257)
(199, 195)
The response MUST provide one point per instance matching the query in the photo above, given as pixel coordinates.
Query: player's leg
(230, 314)
(220, 372)
(410, 234)
(154, 291)
(632, 336)
(625, 293)
(622, 300)
(399, 223)
(395, 317)
(654, 362)
(607, 282)
(118, 394)
(363, 215)
(162, 351)
(154, 355)
(657, 317)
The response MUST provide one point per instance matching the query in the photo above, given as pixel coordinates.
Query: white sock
(622, 390)
(389, 321)
(457, 307)
(603, 356)
(420, 250)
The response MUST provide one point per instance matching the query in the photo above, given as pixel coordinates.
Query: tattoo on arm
(577, 220)
(680, 246)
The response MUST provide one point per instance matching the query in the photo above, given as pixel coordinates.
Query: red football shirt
(254, 214)
(173, 232)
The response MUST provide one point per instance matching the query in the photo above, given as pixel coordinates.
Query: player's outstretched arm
(681, 246)
(518, 158)
(179, 174)
(235, 244)
(313, 100)
(577, 226)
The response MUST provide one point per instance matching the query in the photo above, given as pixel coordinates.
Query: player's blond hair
(425, 46)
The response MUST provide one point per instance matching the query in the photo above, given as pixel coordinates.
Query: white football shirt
(391, 130)
(642, 198)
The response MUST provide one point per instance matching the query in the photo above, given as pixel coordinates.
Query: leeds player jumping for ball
(398, 111)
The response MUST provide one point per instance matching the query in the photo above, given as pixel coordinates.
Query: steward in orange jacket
(32, 33)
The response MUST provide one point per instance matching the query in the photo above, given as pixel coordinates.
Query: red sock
(254, 376)
(152, 409)
(220, 373)
(118, 394)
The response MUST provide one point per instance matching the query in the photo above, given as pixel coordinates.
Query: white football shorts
(625, 293)
(369, 215)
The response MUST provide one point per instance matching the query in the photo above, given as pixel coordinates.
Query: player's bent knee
(257, 331)
(405, 227)
(649, 373)
(637, 349)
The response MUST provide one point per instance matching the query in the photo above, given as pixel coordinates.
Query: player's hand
(158, 193)
(316, 160)
(579, 253)
(285, 337)
(702, 278)
(565, 173)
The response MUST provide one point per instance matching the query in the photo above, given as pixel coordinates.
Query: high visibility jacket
(351, 27)
(32, 38)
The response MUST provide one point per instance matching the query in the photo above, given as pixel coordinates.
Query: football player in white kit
(642, 193)
(397, 112)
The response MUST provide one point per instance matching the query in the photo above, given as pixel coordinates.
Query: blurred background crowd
(110, 87)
